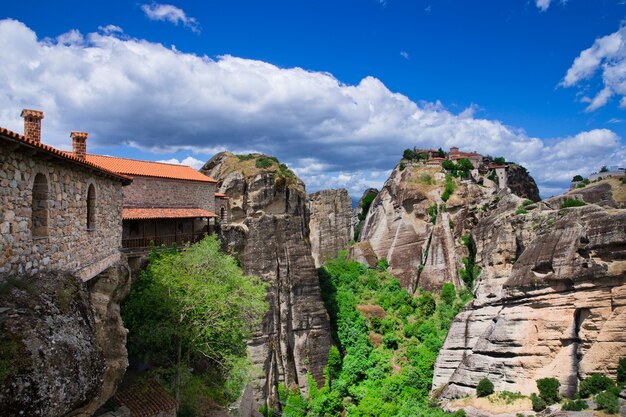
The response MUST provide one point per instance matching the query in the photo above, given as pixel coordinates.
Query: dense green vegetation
(387, 343)
(189, 314)
(470, 270)
(460, 169)
(575, 405)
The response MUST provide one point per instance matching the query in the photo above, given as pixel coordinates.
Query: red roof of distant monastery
(132, 213)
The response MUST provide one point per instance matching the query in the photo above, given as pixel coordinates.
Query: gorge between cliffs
(397, 305)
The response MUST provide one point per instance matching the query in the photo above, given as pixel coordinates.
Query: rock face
(521, 184)
(329, 223)
(357, 213)
(550, 301)
(419, 233)
(61, 353)
(269, 233)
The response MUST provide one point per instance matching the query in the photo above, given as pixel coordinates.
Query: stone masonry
(161, 192)
(68, 245)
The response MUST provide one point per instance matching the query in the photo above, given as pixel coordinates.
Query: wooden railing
(167, 240)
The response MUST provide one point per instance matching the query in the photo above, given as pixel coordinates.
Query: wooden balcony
(144, 243)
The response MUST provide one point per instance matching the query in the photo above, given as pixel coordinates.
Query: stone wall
(162, 192)
(66, 244)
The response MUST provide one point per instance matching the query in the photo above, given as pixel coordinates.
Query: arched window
(40, 205)
(91, 208)
(223, 214)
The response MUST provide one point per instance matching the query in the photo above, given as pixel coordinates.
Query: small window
(223, 213)
(91, 208)
(40, 206)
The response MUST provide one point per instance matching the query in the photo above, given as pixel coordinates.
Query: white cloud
(190, 161)
(110, 29)
(133, 92)
(170, 13)
(607, 55)
(543, 4)
(404, 54)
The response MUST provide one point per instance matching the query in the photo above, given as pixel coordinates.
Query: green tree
(409, 154)
(499, 160)
(577, 178)
(448, 293)
(621, 371)
(463, 167)
(448, 166)
(484, 387)
(193, 306)
(604, 169)
(594, 384)
(333, 367)
(549, 390)
(608, 401)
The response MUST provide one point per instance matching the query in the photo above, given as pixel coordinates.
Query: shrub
(594, 384)
(538, 403)
(484, 388)
(402, 165)
(549, 389)
(499, 160)
(264, 162)
(448, 188)
(608, 401)
(572, 202)
(575, 405)
(577, 178)
(432, 212)
(521, 210)
(621, 371)
(382, 265)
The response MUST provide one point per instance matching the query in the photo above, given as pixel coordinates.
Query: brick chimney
(79, 143)
(32, 124)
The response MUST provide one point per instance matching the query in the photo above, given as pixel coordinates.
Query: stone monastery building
(74, 211)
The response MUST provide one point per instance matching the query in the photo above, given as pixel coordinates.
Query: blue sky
(335, 88)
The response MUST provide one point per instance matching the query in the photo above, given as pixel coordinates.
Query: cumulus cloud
(607, 55)
(133, 92)
(170, 13)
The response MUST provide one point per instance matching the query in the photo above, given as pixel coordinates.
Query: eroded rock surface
(62, 342)
(550, 301)
(269, 233)
(329, 223)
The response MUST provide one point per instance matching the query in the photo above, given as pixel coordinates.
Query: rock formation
(329, 223)
(550, 301)
(358, 217)
(63, 346)
(269, 234)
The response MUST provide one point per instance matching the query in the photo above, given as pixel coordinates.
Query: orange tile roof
(136, 213)
(148, 169)
(147, 399)
(7, 135)
(220, 195)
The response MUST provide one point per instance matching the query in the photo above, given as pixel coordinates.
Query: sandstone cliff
(329, 223)
(550, 301)
(418, 229)
(269, 233)
(63, 345)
